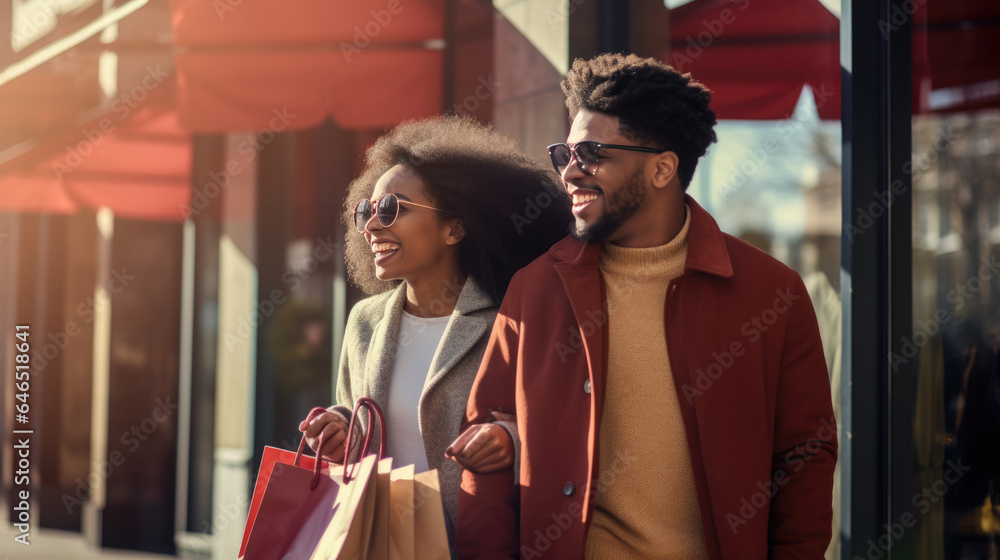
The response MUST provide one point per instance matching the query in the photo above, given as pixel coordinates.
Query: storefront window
(956, 282)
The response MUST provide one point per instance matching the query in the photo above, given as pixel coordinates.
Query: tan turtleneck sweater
(646, 505)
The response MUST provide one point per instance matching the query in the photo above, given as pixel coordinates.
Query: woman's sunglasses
(587, 154)
(386, 210)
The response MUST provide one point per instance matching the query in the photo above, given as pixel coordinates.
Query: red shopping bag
(300, 502)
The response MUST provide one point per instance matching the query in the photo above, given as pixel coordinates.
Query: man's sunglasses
(386, 210)
(587, 154)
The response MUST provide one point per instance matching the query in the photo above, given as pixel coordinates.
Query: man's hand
(482, 448)
(331, 425)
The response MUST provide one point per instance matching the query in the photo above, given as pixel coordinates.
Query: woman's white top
(418, 341)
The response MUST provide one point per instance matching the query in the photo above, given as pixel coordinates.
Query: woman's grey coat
(370, 343)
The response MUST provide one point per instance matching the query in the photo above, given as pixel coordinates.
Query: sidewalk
(50, 544)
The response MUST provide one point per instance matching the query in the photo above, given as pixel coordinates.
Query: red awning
(955, 66)
(293, 64)
(140, 167)
(29, 193)
(757, 56)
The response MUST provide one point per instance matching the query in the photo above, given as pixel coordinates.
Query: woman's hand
(331, 425)
(483, 448)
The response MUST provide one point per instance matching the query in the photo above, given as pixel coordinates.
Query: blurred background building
(172, 175)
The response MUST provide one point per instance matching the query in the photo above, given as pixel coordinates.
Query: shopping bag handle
(376, 411)
(318, 465)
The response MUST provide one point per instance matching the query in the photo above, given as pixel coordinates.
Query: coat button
(586, 386)
(568, 489)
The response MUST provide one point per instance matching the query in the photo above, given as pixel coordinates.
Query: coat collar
(382, 348)
(464, 329)
(707, 250)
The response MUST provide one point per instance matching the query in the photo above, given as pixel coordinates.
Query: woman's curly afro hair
(655, 104)
(512, 207)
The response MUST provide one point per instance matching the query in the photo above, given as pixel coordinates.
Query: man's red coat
(752, 383)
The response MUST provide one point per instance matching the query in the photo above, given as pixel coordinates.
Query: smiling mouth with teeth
(384, 249)
(580, 199)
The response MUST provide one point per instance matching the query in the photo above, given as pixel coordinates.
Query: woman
(444, 213)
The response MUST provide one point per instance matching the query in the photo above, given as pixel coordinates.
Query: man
(668, 380)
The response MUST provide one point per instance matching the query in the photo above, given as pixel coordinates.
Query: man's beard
(619, 208)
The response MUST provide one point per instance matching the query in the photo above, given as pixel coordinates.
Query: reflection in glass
(956, 334)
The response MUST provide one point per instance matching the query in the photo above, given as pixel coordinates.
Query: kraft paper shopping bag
(428, 518)
(401, 538)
